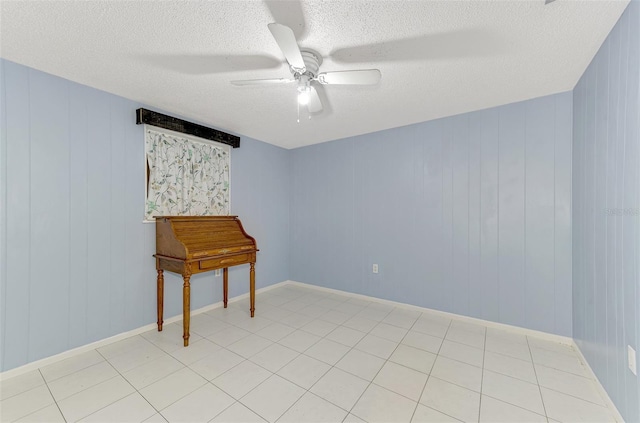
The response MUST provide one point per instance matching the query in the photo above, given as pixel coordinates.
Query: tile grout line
(350, 349)
(378, 372)
(252, 389)
(169, 354)
(127, 380)
(137, 390)
(111, 365)
(303, 353)
(431, 370)
(544, 407)
(52, 397)
(532, 383)
(233, 367)
(255, 387)
(275, 373)
(382, 321)
(320, 318)
(89, 387)
(484, 353)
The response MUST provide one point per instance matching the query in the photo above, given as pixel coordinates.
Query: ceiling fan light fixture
(303, 95)
(304, 90)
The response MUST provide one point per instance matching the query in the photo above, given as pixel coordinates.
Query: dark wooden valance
(174, 124)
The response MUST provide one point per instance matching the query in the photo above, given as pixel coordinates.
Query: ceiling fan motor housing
(312, 62)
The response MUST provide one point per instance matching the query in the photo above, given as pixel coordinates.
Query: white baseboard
(92, 346)
(515, 329)
(602, 391)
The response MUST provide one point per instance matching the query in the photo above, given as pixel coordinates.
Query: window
(186, 176)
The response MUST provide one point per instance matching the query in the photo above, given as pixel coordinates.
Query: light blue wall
(76, 258)
(469, 214)
(606, 203)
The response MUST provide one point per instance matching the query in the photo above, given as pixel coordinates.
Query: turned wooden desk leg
(186, 308)
(252, 287)
(225, 285)
(160, 298)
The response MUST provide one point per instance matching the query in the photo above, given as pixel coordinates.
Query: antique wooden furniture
(194, 244)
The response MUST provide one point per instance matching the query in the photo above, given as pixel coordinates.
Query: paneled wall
(469, 214)
(76, 258)
(606, 211)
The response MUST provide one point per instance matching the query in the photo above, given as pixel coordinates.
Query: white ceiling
(437, 58)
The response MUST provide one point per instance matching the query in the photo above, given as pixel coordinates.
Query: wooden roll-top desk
(194, 244)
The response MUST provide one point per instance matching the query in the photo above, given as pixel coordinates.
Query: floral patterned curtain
(186, 177)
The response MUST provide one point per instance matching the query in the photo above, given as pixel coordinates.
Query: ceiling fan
(304, 65)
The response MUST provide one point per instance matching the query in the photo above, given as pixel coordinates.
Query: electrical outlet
(217, 272)
(375, 268)
(631, 355)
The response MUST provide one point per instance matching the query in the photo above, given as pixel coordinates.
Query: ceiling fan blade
(315, 104)
(289, 13)
(274, 81)
(206, 64)
(287, 42)
(354, 77)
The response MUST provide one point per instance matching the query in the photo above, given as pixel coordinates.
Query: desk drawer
(224, 261)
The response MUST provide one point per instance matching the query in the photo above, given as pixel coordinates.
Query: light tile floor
(313, 356)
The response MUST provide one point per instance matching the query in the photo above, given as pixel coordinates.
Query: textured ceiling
(437, 58)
